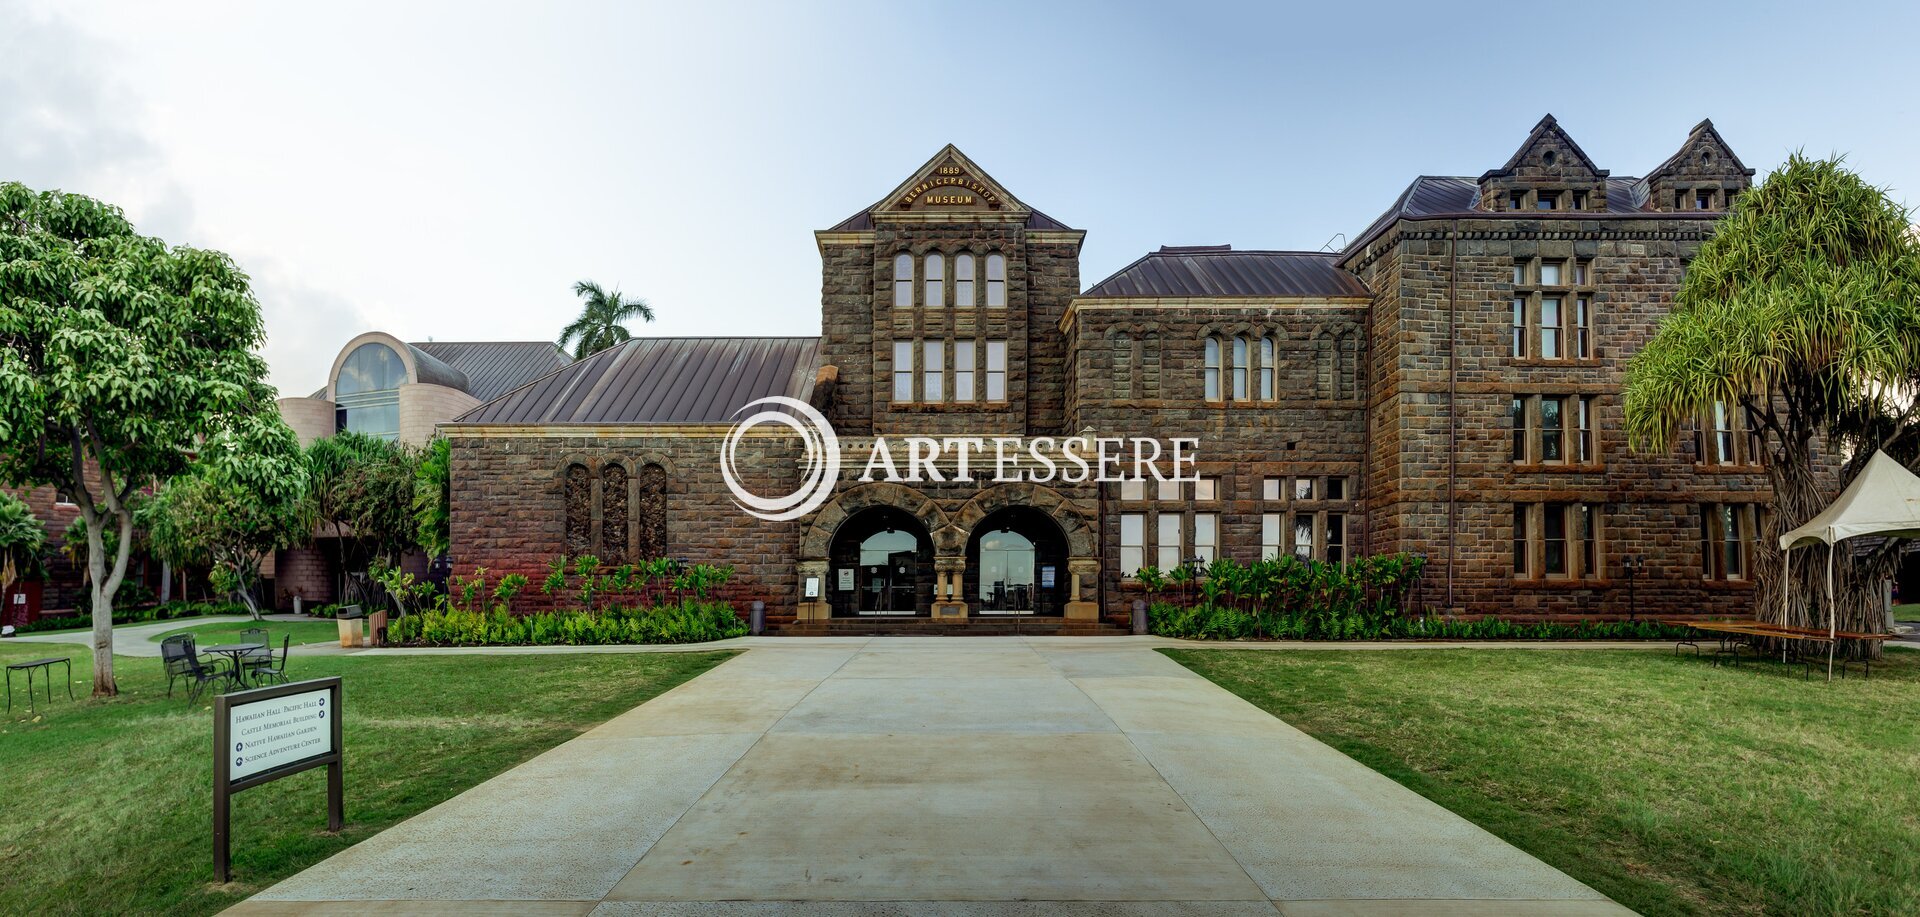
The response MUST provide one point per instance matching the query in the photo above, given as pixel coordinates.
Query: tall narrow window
(1733, 544)
(1336, 538)
(1303, 535)
(1239, 369)
(1267, 369)
(1167, 544)
(1723, 439)
(903, 281)
(963, 366)
(1550, 327)
(1133, 544)
(963, 281)
(1553, 443)
(1583, 327)
(936, 275)
(1553, 540)
(996, 370)
(613, 514)
(1520, 540)
(1587, 530)
(650, 515)
(579, 510)
(1211, 371)
(1206, 536)
(1583, 443)
(933, 388)
(996, 281)
(1269, 536)
(1519, 326)
(1520, 430)
(902, 372)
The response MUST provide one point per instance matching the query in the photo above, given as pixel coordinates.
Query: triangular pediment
(1548, 153)
(1705, 153)
(950, 184)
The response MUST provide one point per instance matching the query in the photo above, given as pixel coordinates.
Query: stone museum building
(1447, 385)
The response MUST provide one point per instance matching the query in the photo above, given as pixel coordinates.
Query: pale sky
(449, 170)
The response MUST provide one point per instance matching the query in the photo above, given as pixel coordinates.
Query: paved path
(987, 776)
(137, 639)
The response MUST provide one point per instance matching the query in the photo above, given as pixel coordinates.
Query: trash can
(349, 620)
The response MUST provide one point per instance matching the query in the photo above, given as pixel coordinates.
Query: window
(1270, 489)
(1583, 327)
(936, 295)
(1550, 329)
(996, 370)
(1519, 326)
(1726, 533)
(1206, 536)
(1579, 200)
(1269, 536)
(963, 281)
(1336, 538)
(1703, 199)
(1552, 429)
(934, 373)
(1336, 488)
(1722, 437)
(1205, 489)
(1303, 488)
(996, 281)
(366, 392)
(613, 514)
(579, 509)
(903, 281)
(1132, 489)
(1133, 545)
(1516, 200)
(902, 372)
(1303, 535)
(1167, 490)
(1547, 200)
(1167, 545)
(1580, 271)
(1240, 357)
(963, 371)
(1550, 272)
(1557, 541)
(1583, 443)
(1211, 372)
(1267, 368)
(1539, 319)
(1723, 452)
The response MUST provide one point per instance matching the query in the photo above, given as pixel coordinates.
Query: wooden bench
(1732, 634)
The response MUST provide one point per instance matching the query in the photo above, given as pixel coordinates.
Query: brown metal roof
(494, 368)
(661, 381)
(1458, 195)
(1218, 270)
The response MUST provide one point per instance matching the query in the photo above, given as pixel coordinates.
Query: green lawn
(1668, 784)
(107, 804)
(218, 632)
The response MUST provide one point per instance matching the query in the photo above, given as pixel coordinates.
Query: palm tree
(602, 323)
(1803, 313)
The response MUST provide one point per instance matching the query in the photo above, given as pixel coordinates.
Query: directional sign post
(262, 735)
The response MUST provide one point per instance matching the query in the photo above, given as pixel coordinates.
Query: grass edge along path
(1665, 783)
(109, 807)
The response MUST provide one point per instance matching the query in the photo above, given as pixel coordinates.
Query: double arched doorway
(1016, 564)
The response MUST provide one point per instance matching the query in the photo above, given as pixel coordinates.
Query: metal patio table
(233, 652)
(30, 666)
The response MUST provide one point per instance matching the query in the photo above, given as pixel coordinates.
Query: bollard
(757, 619)
(1139, 617)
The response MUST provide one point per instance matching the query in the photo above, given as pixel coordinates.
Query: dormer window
(1579, 201)
(1703, 199)
(1516, 200)
(1548, 200)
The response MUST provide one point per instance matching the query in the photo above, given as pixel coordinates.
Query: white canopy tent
(1884, 500)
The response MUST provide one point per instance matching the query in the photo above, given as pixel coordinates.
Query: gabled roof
(1218, 270)
(950, 156)
(661, 381)
(1703, 130)
(863, 221)
(1547, 127)
(493, 368)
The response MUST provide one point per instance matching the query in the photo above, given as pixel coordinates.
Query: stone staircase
(927, 627)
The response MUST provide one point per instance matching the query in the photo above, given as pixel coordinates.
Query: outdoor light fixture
(1634, 563)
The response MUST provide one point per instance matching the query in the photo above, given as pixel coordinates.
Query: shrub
(165, 612)
(688, 621)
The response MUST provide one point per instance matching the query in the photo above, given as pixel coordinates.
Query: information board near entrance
(262, 735)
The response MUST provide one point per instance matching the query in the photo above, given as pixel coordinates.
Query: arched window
(367, 392)
(613, 514)
(1240, 361)
(936, 281)
(1150, 365)
(903, 281)
(1122, 365)
(1268, 369)
(1211, 374)
(996, 281)
(650, 512)
(963, 281)
(579, 510)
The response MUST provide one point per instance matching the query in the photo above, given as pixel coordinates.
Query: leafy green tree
(1803, 311)
(119, 357)
(433, 498)
(227, 522)
(332, 461)
(376, 498)
(602, 321)
(22, 538)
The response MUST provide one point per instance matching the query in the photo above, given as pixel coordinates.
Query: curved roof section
(432, 370)
(1218, 270)
(661, 381)
(494, 368)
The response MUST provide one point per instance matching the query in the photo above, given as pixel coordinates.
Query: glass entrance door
(1008, 581)
(887, 567)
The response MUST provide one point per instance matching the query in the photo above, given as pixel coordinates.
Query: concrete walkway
(903, 776)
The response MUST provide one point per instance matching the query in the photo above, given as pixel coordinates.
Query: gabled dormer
(1548, 173)
(1704, 175)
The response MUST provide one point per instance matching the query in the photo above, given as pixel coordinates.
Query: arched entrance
(1017, 564)
(880, 563)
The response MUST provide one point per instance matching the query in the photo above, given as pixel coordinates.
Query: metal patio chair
(269, 669)
(175, 653)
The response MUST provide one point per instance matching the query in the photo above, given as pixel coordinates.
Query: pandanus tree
(1803, 313)
(603, 319)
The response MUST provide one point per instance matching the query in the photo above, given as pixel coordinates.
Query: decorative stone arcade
(883, 549)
